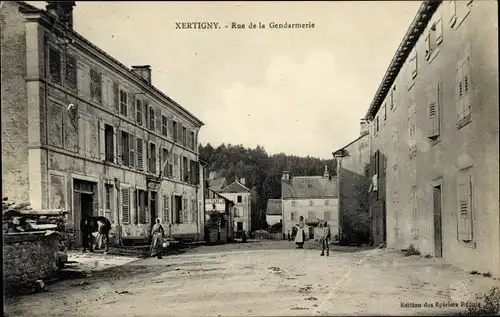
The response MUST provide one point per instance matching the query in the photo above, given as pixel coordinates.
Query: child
(326, 239)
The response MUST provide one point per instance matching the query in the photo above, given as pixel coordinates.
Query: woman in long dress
(301, 235)
(157, 242)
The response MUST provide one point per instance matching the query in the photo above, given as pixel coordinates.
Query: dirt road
(267, 278)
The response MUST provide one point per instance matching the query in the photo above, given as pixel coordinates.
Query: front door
(311, 233)
(84, 204)
(438, 234)
(177, 208)
(153, 208)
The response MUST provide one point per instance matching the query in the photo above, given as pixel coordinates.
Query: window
(193, 141)
(138, 111)
(377, 163)
(239, 198)
(385, 111)
(413, 63)
(458, 11)
(185, 210)
(109, 145)
(326, 202)
(433, 109)
(124, 148)
(194, 211)
(125, 205)
(376, 125)
(293, 203)
(95, 85)
(311, 215)
(152, 158)
(108, 189)
(70, 79)
(293, 216)
(164, 126)
(123, 103)
(392, 105)
(412, 131)
(463, 89)
(140, 153)
(166, 209)
(464, 206)
(175, 130)
(55, 65)
(151, 118)
(164, 161)
(326, 215)
(452, 9)
(310, 202)
(116, 97)
(433, 38)
(185, 170)
(184, 136)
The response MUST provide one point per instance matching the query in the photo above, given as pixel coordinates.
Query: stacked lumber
(20, 217)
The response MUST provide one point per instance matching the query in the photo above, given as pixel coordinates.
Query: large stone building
(353, 167)
(435, 135)
(312, 197)
(84, 132)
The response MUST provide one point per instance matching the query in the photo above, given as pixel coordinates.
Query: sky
(295, 91)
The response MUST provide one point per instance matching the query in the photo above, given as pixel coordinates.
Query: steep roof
(234, 187)
(411, 37)
(273, 207)
(309, 187)
(217, 184)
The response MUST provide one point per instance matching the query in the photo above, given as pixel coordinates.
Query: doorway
(177, 208)
(84, 204)
(153, 212)
(311, 233)
(239, 226)
(438, 233)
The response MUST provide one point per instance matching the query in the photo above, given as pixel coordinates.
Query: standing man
(326, 239)
(86, 231)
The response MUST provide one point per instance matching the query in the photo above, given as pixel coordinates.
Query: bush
(491, 305)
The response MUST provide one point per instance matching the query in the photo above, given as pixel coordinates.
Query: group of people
(325, 239)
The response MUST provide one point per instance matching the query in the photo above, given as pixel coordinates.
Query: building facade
(239, 194)
(86, 133)
(435, 136)
(273, 212)
(353, 168)
(220, 215)
(312, 197)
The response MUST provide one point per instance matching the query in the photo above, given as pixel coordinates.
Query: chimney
(286, 176)
(365, 127)
(144, 71)
(62, 10)
(242, 180)
(326, 174)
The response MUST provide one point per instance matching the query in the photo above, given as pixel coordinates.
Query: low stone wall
(27, 258)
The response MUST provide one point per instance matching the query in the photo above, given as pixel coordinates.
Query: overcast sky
(297, 91)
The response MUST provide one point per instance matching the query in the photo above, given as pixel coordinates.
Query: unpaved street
(259, 278)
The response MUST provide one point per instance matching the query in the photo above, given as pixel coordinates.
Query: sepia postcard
(250, 158)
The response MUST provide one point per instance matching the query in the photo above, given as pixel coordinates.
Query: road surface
(260, 278)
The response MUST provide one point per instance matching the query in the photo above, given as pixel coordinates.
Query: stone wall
(27, 258)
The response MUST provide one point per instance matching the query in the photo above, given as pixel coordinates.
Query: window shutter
(119, 140)
(197, 180)
(145, 111)
(467, 91)
(170, 128)
(459, 89)
(140, 153)
(433, 110)
(125, 205)
(166, 209)
(102, 141)
(179, 133)
(131, 150)
(428, 45)
(439, 31)
(116, 97)
(464, 207)
(158, 120)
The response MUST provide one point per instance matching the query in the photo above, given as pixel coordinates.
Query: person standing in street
(301, 235)
(157, 234)
(327, 236)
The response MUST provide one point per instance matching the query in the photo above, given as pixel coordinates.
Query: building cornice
(49, 21)
(409, 41)
(340, 152)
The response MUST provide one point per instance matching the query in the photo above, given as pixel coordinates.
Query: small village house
(434, 138)
(239, 194)
(313, 197)
(353, 167)
(219, 217)
(83, 132)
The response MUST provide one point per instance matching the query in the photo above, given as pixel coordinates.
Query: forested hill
(262, 172)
